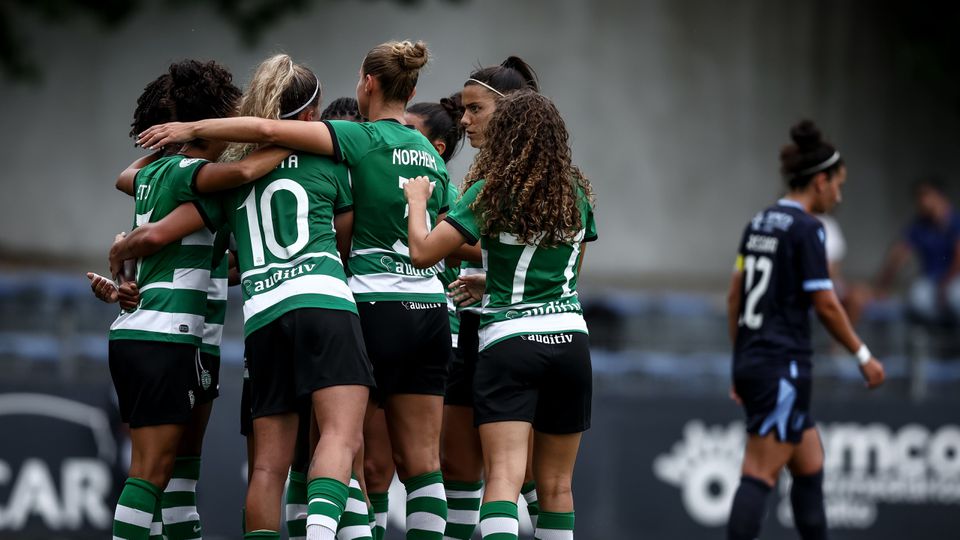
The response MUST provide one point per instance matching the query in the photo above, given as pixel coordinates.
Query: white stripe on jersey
(306, 284)
(212, 334)
(160, 322)
(203, 237)
(538, 324)
(395, 283)
(194, 279)
(289, 264)
(218, 289)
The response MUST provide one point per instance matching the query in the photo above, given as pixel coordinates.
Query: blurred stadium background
(677, 111)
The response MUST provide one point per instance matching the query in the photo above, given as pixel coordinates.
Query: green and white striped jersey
(530, 289)
(174, 281)
(286, 244)
(216, 296)
(382, 157)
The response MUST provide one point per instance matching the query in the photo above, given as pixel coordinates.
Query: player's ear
(440, 146)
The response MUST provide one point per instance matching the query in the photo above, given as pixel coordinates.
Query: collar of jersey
(788, 202)
(395, 121)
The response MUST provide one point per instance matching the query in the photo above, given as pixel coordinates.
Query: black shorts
(300, 352)
(409, 346)
(544, 379)
(463, 363)
(208, 373)
(157, 382)
(246, 414)
(780, 405)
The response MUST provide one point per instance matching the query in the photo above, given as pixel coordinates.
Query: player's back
(783, 260)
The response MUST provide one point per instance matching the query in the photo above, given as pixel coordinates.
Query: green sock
(296, 506)
(181, 520)
(355, 521)
(498, 521)
(135, 510)
(262, 534)
(426, 507)
(529, 492)
(555, 526)
(328, 498)
(380, 502)
(463, 508)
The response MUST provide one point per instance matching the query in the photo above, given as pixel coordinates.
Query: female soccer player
(154, 349)
(781, 272)
(402, 308)
(461, 457)
(531, 209)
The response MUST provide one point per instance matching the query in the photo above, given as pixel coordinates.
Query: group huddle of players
(397, 323)
(394, 322)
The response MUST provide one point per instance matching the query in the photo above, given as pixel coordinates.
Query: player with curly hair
(531, 210)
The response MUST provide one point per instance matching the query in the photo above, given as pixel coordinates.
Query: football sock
(296, 506)
(806, 496)
(426, 507)
(327, 498)
(463, 508)
(181, 520)
(529, 492)
(749, 506)
(498, 521)
(554, 526)
(355, 521)
(136, 508)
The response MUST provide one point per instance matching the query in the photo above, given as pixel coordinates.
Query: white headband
(487, 86)
(305, 105)
(835, 157)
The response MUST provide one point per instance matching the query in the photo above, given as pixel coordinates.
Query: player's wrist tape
(863, 354)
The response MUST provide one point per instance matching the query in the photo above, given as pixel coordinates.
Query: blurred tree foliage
(250, 18)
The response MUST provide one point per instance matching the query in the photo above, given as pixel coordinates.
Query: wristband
(863, 354)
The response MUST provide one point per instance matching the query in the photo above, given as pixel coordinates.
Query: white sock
(317, 532)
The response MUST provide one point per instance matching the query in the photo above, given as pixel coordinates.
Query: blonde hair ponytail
(264, 95)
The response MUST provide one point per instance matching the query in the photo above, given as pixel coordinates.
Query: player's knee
(554, 492)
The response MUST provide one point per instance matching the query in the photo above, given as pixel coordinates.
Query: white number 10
(265, 221)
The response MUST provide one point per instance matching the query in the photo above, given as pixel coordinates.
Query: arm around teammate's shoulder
(220, 176)
(313, 137)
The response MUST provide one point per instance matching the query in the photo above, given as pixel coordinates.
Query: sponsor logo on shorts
(411, 306)
(549, 339)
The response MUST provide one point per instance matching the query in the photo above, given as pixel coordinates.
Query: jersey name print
(782, 256)
(383, 156)
(174, 281)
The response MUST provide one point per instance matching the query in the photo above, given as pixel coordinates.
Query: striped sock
(296, 507)
(554, 526)
(529, 492)
(135, 509)
(355, 522)
(328, 498)
(156, 526)
(372, 521)
(380, 502)
(273, 535)
(426, 507)
(498, 521)
(463, 508)
(181, 520)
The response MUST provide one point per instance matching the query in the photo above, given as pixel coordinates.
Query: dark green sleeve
(351, 140)
(463, 218)
(591, 227)
(180, 179)
(344, 199)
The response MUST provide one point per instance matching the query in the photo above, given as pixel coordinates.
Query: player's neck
(803, 199)
(381, 110)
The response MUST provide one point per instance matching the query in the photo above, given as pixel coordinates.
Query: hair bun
(806, 135)
(411, 55)
(453, 106)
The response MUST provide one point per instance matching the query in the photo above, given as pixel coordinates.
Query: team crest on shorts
(206, 379)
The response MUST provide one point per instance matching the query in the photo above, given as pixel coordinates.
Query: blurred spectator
(933, 237)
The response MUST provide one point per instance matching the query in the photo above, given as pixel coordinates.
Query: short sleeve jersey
(783, 258)
(174, 281)
(286, 242)
(216, 295)
(382, 157)
(531, 289)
